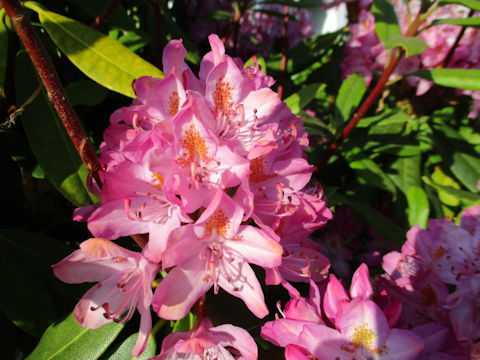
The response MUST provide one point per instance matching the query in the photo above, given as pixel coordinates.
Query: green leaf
(472, 4)
(412, 46)
(392, 125)
(373, 174)
(386, 22)
(3, 50)
(218, 15)
(86, 92)
(468, 79)
(440, 178)
(292, 3)
(67, 340)
(470, 21)
(462, 158)
(48, 139)
(260, 61)
(385, 226)
(101, 58)
(124, 351)
(296, 102)
(349, 97)
(418, 207)
(406, 173)
(24, 300)
(185, 323)
(463, 195)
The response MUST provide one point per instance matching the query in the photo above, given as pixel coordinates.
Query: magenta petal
(242, 341)
(176, 294)
(282, 332)
(295, 352)
(335, 295)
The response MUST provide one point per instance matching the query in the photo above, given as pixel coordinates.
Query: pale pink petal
(365, 317)
(242, 283)
(158, 237)
(173, 57)
(361, 285)
(324, 343)
(257, 247)
(282, 332)
(176, 294)
(145, 329)
(242, 340)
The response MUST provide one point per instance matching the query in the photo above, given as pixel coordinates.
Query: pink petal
(403, 345)
(295, 352)
(361, 285)
(176, 294)
(145, 329)
(242, 340)
(242, 283)
(334, 296)
(365, 319)
(257, 247)
(324, 343)
(282, 332)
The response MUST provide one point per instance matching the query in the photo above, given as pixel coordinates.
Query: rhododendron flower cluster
(436, 275)
(212, 170)
(366, 55)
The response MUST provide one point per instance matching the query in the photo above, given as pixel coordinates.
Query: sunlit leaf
(469, 21)
(297, 102)
(98, 56)
(349, 96)
(418, 207)
(472, 4)
(468, 79)
(67, 340)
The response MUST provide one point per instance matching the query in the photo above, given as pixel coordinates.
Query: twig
(451, 52)
(283, 61)
(55, 90)
(104, 14)
(372, 97)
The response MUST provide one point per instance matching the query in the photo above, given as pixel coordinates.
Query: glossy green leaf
(124, 351)
(3, 50)
(292, 3)
(48, 139)
(86, 92)
(472, 4)
(349, 97)
(392, 125)
(468, 79)
(469, 21)
(370, 171)
(440, 178)
(24, 299)
(386, 22)
(412, 45)
(185, 323)
(296, 102)
(418, 207)
(67, 340)
(463, 195)
(406, 173)
(101, 58)
(218, 15)
(461, 156)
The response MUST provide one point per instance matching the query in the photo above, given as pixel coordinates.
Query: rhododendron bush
(223, 180)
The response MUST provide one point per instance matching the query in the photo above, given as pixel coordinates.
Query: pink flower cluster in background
(212, 170)
(365, 54)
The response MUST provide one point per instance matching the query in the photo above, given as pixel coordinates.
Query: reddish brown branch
(375, 93)
(451, 52)
(104, 14)
(55, 91)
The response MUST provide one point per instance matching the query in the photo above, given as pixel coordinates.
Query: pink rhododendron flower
(125, 283)
(207, 342)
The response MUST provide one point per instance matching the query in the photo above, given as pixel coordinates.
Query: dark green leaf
(470, 21)
(349, 96)
(406, 173)
(373, 174)
(185, 323)
(393, 124)
(24, 299)
(292, 3)
(386, 23)
(48, 139)
(218, 15)
(296, 102)
(134, 41)
(412, 46)
(101, 58)
(86, 92)
(453, 192)
(124, 351)
(418, 207)
(468, 79)
(472, 4)
(3, 50)
(67, 340)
